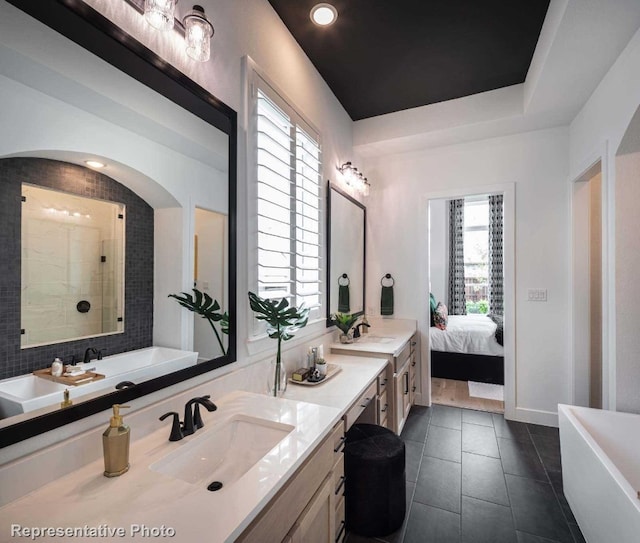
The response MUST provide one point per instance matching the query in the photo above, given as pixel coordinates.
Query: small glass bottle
(56, 367)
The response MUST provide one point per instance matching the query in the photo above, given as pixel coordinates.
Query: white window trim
(261, 342)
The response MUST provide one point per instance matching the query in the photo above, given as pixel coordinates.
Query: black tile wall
(138, 324)
(474, 478)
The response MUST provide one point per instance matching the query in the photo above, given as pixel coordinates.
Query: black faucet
(176, 429)
(87, 354)
(192, 419)
(356, 329)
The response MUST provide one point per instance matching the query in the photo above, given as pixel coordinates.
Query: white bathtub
(601, 472)
(27, 393)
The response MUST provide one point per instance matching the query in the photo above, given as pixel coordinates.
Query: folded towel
(343, 299)
(386, 301)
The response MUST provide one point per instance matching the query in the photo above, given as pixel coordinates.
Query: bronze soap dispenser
(115, 445)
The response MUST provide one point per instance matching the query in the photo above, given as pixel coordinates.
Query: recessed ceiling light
(323, 14)
(94, 164)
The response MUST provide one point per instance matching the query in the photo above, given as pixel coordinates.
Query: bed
(467, 350)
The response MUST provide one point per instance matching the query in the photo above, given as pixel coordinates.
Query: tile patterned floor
(473, 477)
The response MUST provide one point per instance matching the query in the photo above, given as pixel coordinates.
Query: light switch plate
(537, 295)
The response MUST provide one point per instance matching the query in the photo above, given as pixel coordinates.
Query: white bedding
(471, 334)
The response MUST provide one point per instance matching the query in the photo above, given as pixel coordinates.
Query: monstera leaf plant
(204, 305)
(282, 321)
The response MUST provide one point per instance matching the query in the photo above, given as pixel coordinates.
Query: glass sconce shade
(354, 178)
(198, 32)
(160, 14)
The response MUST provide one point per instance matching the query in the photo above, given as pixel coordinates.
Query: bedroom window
(287, 203)
(476, 255)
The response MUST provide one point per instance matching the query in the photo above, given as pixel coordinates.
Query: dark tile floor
(473, 477)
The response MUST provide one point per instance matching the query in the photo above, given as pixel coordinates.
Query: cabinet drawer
(402, 358)
(413, 367)
(383, 381)
(384, 422)
(338, 481)
(340, 522)
(337, 439)
(359, 406)
(383, 406)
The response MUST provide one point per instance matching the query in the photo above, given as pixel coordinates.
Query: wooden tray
(332, 369)
(76, 380)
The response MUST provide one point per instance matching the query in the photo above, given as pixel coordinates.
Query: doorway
(587, 288)
(454, 389)
(209, 265)
(466, 271)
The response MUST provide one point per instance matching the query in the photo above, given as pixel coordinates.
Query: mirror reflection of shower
(210, 257)
(72, 266)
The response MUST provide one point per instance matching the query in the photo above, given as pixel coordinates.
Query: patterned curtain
(496, 275)
(457, 298)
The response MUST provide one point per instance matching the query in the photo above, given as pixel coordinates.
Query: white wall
(439, 249)
(537, 162)
(597, 132)
(627, 285)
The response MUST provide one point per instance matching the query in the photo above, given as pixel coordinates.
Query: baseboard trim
(419, 401)
(536, 416)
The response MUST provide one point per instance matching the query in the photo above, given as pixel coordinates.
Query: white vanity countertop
(386, 340)
(343, 388)
(145, 497)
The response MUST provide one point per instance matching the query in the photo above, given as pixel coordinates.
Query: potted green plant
(344, 321)
(282, 321)
(202, 304)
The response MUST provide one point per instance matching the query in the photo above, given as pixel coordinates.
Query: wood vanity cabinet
(397, 384)
(310, 507)
(405, 382)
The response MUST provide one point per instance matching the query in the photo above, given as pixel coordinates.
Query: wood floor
(456, 393)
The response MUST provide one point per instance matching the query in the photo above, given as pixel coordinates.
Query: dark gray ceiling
(382, 56)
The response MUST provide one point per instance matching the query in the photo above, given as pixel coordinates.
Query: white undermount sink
(376, 339)
(225, 452)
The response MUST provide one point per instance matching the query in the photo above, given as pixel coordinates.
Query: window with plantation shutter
(287, 202)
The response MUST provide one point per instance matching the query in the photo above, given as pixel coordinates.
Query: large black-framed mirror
(346, 253)
(196, 131)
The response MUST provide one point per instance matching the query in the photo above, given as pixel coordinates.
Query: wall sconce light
(160, 14)
(198, 33)
(196, 28)
(354, 178)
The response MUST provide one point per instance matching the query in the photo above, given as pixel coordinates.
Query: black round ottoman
(375, 487)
